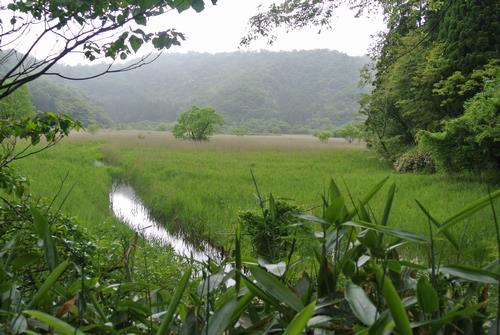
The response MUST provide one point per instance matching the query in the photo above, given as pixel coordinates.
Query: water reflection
(129, 208)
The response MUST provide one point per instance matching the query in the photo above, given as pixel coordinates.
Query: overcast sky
(220, 28)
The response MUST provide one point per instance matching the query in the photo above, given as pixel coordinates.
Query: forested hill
(303, 89)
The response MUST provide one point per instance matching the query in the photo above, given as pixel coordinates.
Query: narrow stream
(129, 209)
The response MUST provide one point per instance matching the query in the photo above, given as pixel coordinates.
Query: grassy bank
(84, 195)
(201, 187)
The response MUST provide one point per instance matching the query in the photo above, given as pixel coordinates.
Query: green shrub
(415, 161)
(471, 141)
(323, 136)
(269, 229)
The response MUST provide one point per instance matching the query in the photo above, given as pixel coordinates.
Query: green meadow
(200, 188)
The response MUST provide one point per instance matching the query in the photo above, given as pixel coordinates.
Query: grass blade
(172, 307)
(47, 284)
(42, 228)
(368, 196)
(469, 210)
(446, 233)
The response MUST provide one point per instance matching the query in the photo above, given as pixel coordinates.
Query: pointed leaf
(360, 304)
(299, 322)
(275, 288)
(59, 326)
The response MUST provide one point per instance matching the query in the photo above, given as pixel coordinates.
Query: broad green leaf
(182, 5)
(256, 290)
(388, 205)
(221, 319)
(47, 284)
(394, 302)
(427, 296)
(299, 322)
(241, 306)
(399, 233)
(135, 42)
(174, 303)
(469, 210)
(18, 324)
(360, 304)
(60, 327)
(271, 285)
(471, 274)
(198, 5)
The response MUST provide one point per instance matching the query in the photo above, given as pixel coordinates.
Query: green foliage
(323, 136)
(415, 161)
(18, 105)
(162, 127)
(471, 141)
(265, 92)
(197, 124)
(92, 128)
(270, 230)
(430, 62)
(104, 291)
(351, 131)
(51, 96)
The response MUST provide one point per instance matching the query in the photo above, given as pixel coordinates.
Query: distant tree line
(262, 92)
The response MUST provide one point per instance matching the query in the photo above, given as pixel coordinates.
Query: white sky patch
(220, 28)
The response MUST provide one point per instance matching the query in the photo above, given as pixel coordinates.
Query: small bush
(415, 161)
(269, 229)
(323, 136)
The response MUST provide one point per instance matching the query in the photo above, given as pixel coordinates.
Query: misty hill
(300, 90)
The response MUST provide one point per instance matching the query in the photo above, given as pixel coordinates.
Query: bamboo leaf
(299, 322)
(394, 302)
(388, 205)
(221, 319)
(399, 233)
(47, 284)
(59, 326)
(471, 274)
(360, 304)
(42, 228)
(368, 196)
(271, 285)
(427, 296)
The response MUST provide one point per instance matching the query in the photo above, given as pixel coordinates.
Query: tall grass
(201, 188)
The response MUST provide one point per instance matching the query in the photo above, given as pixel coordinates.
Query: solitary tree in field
(323, 136)
(197, 124)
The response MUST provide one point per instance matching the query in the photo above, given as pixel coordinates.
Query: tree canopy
(97, 29)
(433, 59)
(197, 124)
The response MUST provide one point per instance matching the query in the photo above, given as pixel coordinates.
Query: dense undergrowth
(342, 266)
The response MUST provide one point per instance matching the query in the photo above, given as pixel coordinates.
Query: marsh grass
(201, 188)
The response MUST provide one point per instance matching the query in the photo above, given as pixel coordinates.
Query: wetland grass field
(200, 188)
